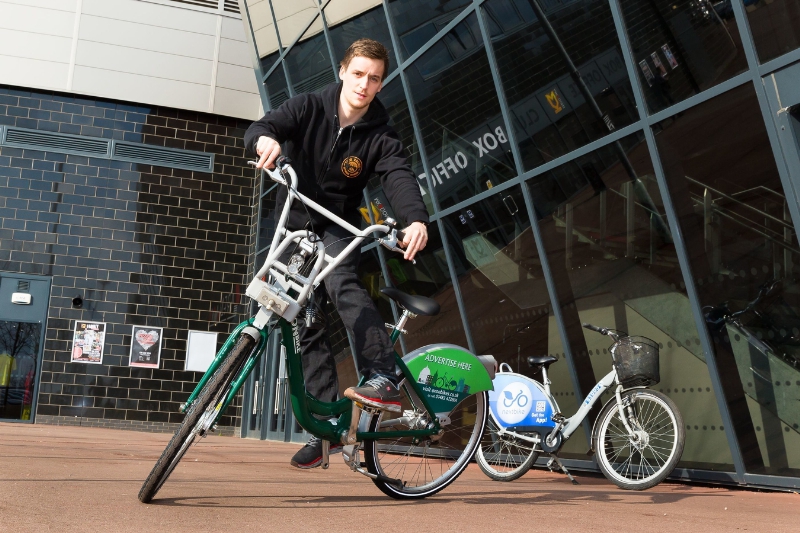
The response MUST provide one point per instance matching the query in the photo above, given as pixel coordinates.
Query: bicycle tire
(208, 399)
(448, 454)
(504, 457)
(660, 446)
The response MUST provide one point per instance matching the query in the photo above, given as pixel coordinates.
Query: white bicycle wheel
(646, 457)
(504, 457)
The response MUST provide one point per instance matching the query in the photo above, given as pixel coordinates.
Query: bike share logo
(514, 403)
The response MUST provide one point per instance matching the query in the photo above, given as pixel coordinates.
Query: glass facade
(603, 161)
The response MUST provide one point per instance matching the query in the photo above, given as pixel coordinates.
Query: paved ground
(86, 479)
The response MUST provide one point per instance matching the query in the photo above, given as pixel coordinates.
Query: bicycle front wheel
(421, 468)
(504, 457)
(198, 416)
(644, 458)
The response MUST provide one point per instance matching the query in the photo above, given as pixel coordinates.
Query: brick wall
(143, 245)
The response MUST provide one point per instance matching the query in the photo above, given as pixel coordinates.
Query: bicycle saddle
(419, 305)
(541, 360)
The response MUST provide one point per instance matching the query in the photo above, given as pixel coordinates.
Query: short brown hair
(370, 49)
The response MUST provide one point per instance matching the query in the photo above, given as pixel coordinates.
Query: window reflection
(552, 112)
(681, 47)
(277, 88)
(775, 26)
(352, 20)
(614, 264)
(745, 260)
(19, 350)
(309, 62)
(504, 293)
(416, 22)
(465, 138)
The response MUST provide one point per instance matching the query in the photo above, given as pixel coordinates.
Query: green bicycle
(413, 454)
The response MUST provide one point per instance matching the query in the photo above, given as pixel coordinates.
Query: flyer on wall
(88, 341)
(146, 346)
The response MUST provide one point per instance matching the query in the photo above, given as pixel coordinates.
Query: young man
(337, 139)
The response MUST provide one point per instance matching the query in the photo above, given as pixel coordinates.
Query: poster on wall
(659, 65)
(648, 74)
(146, 346)
(201, 348)
(88, 341)
(673, 63)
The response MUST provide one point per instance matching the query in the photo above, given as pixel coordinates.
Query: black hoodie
(333, 164)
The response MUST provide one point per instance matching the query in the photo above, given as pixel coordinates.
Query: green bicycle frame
(304, 405)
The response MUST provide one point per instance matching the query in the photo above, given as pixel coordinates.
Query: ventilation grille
(231, 6)
(55, 142)
(228, 6)
(46, 141)
(168, 157)
(23, 286)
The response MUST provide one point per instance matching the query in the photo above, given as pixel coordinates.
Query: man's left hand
(416, 237)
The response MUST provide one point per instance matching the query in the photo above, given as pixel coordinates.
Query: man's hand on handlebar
(268, 151)
(414, 240)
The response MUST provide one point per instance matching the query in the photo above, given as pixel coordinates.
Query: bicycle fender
(594, 425)
(446, 374)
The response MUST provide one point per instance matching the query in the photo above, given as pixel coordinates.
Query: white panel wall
(130, 50)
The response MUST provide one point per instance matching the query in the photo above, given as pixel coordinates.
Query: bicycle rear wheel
(200, 414)
(644, 459)
(504, 457)
(424, 467)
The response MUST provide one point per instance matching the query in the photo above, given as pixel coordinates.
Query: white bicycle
(638, 436)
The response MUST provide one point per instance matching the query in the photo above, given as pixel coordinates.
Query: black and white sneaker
(378, 392)
(310, 455)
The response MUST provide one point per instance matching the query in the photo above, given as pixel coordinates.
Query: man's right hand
(268, 150)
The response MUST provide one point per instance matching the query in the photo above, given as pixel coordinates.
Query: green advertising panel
(447, 374)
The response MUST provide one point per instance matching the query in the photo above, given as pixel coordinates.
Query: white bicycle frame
(274, 297)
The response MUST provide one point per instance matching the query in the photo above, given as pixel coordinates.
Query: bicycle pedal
(368, 408)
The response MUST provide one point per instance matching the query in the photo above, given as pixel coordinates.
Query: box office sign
(146, 346)
(88, 341)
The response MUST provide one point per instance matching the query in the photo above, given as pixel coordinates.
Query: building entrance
(23, 311)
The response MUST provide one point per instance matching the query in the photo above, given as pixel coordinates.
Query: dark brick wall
(143, 245)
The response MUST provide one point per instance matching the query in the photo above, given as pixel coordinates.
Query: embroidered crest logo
(351, 166)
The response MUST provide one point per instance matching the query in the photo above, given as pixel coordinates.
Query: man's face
(361, 81)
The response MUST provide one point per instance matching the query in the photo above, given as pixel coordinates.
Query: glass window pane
(614, 265)
(349, 21)
(552, 114)
(417, 21)
(745, 260)
(459, 115)
(309, 62)
(264, 30)
(775, 26)
(277, 88)
(505, 297)
(19, 351)
(293, 17)
(681, 48)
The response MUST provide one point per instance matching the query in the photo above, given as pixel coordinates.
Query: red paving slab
(65, 479)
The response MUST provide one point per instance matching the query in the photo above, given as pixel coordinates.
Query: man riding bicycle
(337, 139)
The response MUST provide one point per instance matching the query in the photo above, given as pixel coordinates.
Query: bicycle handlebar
(603, 331)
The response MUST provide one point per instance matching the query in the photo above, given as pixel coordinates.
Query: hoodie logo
(351, 166)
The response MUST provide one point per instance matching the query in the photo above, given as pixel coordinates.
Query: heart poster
(146, 346)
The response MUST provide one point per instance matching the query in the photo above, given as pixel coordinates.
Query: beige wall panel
(146, 37)
(152, 14)
(235, 53)
(61, 5)
(237, 104)
(140, 89)
(35, 46)
(342, 10)
(263, 27)
(36, 20)
(233, 29)
(33, 73)
(119, 58)
(236, 77)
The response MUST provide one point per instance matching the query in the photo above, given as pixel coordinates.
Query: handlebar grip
(602, 331)
(400, 236)
(282, 161)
